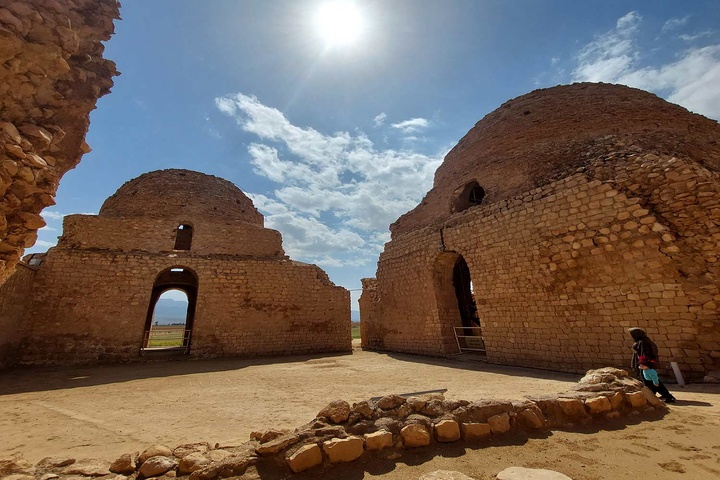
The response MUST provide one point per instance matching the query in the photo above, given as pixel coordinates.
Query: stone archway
(456, 308)
(174, 278)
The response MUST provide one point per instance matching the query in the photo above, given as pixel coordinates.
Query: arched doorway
(456, 303)
(169, 327)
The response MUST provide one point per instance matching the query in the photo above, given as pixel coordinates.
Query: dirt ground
(102, 412)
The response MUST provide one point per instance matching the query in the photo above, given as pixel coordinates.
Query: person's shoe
(669, 399)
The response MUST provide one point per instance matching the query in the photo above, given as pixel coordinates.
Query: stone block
(125, 464)
(636, 399)
(154, 451)
(573, 408)
(415, 435)
(280, 443)
(475, 431)
(343, 450)
(530, 418)
(499, 423)
(521, 473)
(447, 431)
(304, 458)
(617, 400)
(378, 440)
(156, 466)
(337, 411)
(598, 405)
(191, 462)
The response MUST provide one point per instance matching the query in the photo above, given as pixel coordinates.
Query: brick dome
(547, 134)
(181, 193)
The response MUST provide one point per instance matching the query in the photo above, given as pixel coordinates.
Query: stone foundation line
(343, 433)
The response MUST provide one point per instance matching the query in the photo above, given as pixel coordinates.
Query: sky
(334, 117)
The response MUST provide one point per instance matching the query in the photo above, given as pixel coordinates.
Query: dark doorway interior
(471, 332)
(175, 278)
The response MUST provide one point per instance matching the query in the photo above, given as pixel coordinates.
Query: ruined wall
(156, 235)
(546, 135)
(562, 271)
(175, 192)
(13, 301)
(51, 75)
(91, 306)
(601, 211)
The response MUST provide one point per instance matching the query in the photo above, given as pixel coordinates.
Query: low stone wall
(387, 426)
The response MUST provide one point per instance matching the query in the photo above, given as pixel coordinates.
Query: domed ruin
(561, 219)
(95, 297)
(184, 192)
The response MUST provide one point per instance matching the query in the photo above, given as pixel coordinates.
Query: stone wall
(580, 210)
(51, 75)
(158, 235)
(545, 135)
(91, 307)
(562, 271)
(13, 301)
(383, 427)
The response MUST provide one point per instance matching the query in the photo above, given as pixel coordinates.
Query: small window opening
(183, 239)
(471, 194)
(476, 195)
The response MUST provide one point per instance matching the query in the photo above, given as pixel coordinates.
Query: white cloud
(52, 215)
(44, 244)
(338, 193)
(379, 120)
(610, 54)
(412, 125)
(674, 23)
(690, 81)
(691, 38)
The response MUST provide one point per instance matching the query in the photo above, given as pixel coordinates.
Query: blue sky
(333, 141)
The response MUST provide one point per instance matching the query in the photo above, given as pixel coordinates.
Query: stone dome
(181, 193)
(550, 133)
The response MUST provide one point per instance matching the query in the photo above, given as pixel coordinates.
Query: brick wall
(562, 271)
(91, 307)
(13, 301)
(158, 235)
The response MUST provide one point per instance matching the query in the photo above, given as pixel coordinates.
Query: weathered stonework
(51, 75)
(601, 211)
(92, 296)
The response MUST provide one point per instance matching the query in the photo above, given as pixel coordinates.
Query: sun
(339, 23)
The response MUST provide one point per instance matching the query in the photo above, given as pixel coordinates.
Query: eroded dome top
(181, 193)
(548, 134)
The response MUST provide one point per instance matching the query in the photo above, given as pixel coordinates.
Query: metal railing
(167, 337)
(473, 343)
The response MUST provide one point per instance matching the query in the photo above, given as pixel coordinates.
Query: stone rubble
(53, 72)
(344, 433)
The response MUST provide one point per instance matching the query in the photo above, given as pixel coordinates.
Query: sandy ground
(102, 412)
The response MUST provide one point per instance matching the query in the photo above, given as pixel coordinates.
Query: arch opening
(171, 312)
(471, 195)
(183, 237)
(457, 308)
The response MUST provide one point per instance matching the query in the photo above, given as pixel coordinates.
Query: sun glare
(339, 23)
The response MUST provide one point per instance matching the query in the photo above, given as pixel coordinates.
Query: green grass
(355, 330)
